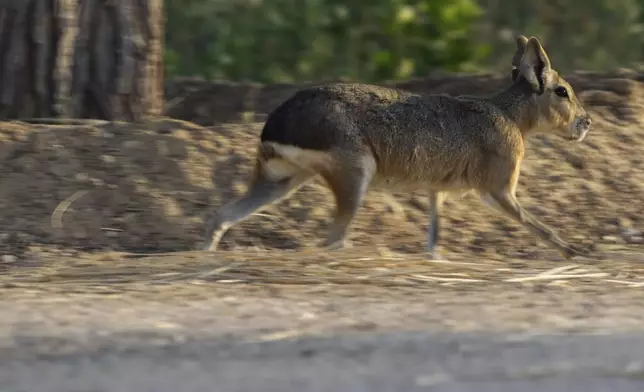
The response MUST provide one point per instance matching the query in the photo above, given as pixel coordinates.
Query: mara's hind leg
(349, 182)
(436, 200)
(261, 192)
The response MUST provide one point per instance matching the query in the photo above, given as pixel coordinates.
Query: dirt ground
(88, 214)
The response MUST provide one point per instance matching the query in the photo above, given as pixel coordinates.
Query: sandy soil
(88, 214)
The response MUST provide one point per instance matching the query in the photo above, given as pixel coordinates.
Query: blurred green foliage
(295, 40)
(299, 40)
(578, 34)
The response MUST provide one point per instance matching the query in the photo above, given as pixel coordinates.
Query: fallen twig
(556, 277)
(57, 214)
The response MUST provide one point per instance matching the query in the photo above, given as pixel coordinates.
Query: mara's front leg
(507, 203)
(500, 194)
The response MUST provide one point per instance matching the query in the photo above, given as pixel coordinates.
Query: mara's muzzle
(580, 128)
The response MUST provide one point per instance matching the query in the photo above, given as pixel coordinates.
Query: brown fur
(357, 135)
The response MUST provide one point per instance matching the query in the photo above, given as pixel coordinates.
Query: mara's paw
(435, 256)
(336, 245)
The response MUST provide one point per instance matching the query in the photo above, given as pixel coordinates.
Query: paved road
(356, 362)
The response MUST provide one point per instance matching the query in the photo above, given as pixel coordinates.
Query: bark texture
(98, 59)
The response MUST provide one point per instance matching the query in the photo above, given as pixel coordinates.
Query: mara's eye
(562, 92)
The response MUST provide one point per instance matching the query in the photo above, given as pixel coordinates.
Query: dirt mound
(212, 102)
(147, 187)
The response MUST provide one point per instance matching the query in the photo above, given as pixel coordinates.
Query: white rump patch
(278, 169)
(291, 160)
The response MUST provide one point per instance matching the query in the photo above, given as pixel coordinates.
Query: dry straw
(313, 267)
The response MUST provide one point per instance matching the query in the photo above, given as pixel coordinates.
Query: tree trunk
(99, 59)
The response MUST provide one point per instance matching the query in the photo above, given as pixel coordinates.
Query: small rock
(576, 161)
(308, 316)
(109, 159)
(625, 223)
(20, 136)
(9, 259)
(81, 177)
(420, 203)
(611, 239)
(631, 232)
(636, 240)
(131, 144)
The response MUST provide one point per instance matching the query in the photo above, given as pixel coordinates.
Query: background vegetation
(297, 40)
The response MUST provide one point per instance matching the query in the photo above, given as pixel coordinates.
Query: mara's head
(559, 108)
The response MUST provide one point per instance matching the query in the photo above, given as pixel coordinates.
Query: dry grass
(315, 268)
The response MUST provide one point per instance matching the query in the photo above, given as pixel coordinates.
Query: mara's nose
(588, 121)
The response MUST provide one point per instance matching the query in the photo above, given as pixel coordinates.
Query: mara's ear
(535, 65)
(521, 42)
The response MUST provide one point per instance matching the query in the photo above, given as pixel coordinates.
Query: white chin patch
(577, 134)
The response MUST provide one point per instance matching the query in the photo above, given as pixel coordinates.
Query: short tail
(271, 165)
(266, 152)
